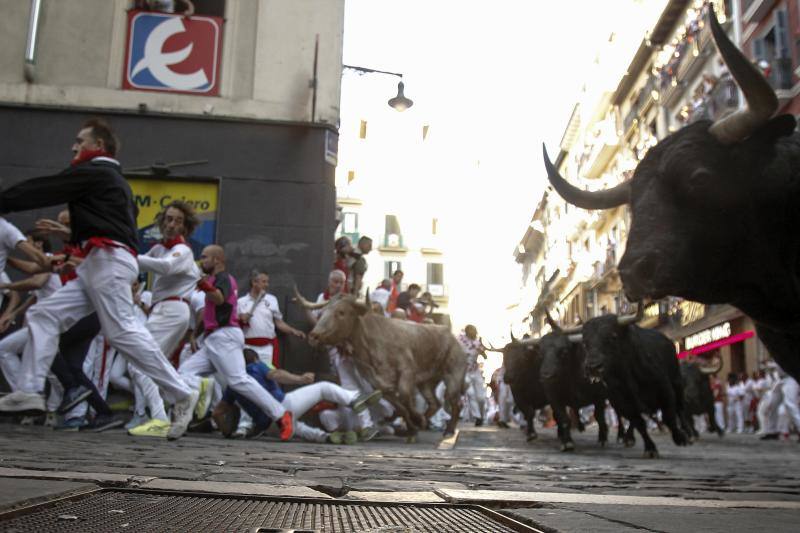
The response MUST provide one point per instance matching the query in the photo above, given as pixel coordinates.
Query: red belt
(265, 341)
(173, 299)
(261, 341)
(105, 243)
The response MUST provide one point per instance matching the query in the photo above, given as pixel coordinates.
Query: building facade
(234, 109)
(569, 255)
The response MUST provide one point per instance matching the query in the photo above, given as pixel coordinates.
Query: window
(350, 223)
(393, 237)
(390, 267)
(351, 175)
(436, 279)
(362, 130)
(425, 129)
(435, 226)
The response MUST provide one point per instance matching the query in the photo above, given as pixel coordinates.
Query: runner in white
(103, 218)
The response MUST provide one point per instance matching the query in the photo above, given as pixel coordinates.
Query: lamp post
(399, 102)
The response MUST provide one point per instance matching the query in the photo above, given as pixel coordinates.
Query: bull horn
(605, 199)
(626, 320)
(491, 348)
(712, 369)
(513, 339)
(305, 303)
(366, 297)
(555, 327)
(529, 342)
(761, 99)
(575, 338)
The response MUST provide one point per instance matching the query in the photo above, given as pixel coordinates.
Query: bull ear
(361, 308)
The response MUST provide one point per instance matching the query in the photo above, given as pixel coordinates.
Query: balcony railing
(724, 97)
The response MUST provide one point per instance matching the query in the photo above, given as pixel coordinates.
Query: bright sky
(495, 79)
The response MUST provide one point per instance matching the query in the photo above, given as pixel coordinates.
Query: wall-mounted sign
(173, 53)
(708, 335)
(151, 196)
(691, 312)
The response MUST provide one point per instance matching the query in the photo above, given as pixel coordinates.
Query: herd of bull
(609, 358)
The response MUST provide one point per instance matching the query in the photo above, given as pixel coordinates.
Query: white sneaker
(181, 416)
(19, 401)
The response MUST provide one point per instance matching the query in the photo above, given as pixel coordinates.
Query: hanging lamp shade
(400, 102)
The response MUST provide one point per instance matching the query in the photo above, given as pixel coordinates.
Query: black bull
(640, 371)
(714, 212)
(549, 372)
(697, 394)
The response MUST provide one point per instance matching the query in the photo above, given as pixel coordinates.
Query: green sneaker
(154, 428)
(204, 399)
(349, 437)
(366, 400)
(336, 437)
(367, 434)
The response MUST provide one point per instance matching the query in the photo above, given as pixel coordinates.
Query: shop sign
(708, 335)
(173, 53)
(691, 312)
(151, 196)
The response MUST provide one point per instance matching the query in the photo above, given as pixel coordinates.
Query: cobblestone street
(736, 483)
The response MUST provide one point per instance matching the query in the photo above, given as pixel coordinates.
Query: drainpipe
(30, 46)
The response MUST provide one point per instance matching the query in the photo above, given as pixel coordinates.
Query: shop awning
(733, 339)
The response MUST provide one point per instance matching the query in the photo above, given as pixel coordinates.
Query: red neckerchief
(326, 295)
(88, 155)
(172, 242)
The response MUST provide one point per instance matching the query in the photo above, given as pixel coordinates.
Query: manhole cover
(142, 510)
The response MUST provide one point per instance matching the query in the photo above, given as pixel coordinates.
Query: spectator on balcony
(185, 7)
(358, 265)
(427, 303)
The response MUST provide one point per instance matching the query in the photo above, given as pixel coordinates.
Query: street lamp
(399, 102)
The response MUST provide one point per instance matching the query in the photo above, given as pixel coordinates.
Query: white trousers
(11, 346)
(735, 413)
(103, 285)
(768, 409)
(505, 402)
(350, 379)
(302, 399)
(222, 352)
(476, 394)
(790, 390)
(167, 322)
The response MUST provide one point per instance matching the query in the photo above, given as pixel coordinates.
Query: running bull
(697, 393)
(640, 371)
(395, 356)
(714, 212)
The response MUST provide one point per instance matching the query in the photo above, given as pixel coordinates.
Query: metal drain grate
(142, 510)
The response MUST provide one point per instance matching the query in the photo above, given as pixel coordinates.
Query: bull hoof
(603, 443)
(720, 433)
(651, 454)
(568, 447)
(532, 438)
(629, 443)
(411, 439)
(680, 439)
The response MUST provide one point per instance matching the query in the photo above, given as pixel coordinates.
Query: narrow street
(736, 483)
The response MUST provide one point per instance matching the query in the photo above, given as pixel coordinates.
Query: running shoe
(73, 397)
(182, 413)
(204, 399)
(286, 425)
(367, 434)
(153, 428)
(349, 437)
(366, 400)
(136, 421)
(71, 424)
(101, 423)
(22, 402)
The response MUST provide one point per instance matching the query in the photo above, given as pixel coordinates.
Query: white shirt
(735, 392)
(174, 269)
(10, 236)
(381, 296)
(4, 279)
(262, 323)
(52, 285)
